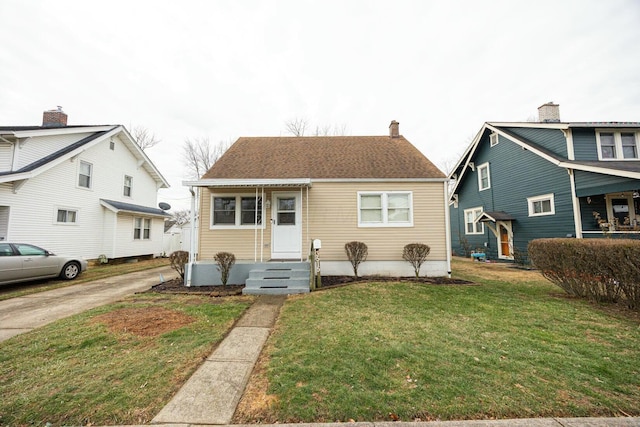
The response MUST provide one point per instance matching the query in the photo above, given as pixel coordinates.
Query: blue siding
(516, 174)
(584, 144)
(551, 139)
(589, 183)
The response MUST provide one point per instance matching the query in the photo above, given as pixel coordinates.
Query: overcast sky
(225, 69)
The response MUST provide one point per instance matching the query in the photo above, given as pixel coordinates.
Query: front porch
(259, 278)
(613, 215)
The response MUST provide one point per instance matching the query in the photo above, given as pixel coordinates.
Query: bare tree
(143, 137)
(297, 126)
(199, 155)
(181, 216)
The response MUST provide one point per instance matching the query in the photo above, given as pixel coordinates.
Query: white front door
(286, 226)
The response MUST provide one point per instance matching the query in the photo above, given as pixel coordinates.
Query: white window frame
(238, 212)
(130, 186)
(58, 209)
(479, 169)
(493, 139)
(80, 163)
(478, 227)
(618, 147)
(385, 222)
(144, 228)
(532, 200)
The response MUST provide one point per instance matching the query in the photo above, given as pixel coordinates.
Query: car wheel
(70, 270)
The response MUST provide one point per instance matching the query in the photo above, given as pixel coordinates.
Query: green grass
(92, 273)
(77, 371)
(502, 349)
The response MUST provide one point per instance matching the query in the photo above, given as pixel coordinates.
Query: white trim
(384, 201)
(295, 182)
(90, 175)
(67, 209)
(568, 135)
(238, 212)
(508, 225)
(447, 223)
(66, 130)
(479, 168)
(475, 222)
(575, 202)
(541, 198)
(493, 139)
(617, 144)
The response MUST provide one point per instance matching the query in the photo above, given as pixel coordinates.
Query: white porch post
(192, 240)
(577, 218)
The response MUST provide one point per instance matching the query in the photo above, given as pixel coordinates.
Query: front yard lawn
(116, 364)
(511, 346)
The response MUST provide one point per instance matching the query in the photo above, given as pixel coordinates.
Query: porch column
(577, 218)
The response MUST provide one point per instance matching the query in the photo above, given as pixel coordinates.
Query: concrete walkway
(22, 314)
(212, 394)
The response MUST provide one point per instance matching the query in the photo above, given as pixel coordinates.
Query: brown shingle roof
(323, 157)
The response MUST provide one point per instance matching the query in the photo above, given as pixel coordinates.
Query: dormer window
(618, 145)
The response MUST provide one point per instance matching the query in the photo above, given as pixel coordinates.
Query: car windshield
(30, 250)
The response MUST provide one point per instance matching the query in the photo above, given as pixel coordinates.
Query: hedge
(603, 270)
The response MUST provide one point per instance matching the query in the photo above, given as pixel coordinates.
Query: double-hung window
(236, 210)
(141, 228)
(484, 181)
(84, 174)
(541, 205)
(385, 209)
(619, 145)
(471, 226)
(66, 216)
(128, 184)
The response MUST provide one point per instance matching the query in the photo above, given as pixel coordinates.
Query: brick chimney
(549, 113)
(394, 129)
(54, 118)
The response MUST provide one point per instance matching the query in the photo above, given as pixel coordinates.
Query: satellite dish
(164, 206)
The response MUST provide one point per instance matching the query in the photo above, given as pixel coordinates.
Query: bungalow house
(85, 190)
(267, 198)
(521, 181)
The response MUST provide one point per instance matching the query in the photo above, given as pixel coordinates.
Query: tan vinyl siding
(332, 217)
(334, 220)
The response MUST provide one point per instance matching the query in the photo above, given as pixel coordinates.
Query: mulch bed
(176, 286)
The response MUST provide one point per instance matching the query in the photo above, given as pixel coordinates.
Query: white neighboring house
(86, 190)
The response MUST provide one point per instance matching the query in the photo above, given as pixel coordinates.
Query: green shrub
(416, 254)
(179, 260)
(357, 253)
(225, 262)
(602, 270)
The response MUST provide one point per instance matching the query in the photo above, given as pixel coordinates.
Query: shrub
(601, 270)
(179, 260)
(357, 253)
(416, 254)
(225, 261)
(465, 247)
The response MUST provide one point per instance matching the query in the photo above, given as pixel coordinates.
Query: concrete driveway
(22, 314)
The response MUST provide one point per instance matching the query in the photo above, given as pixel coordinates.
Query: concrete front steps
(278, 278)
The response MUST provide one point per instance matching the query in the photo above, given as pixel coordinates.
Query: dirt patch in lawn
(144, 321)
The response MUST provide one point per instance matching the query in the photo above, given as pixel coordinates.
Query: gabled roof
(323, 157)
(97, 134)
(629, 169)
(118, 207)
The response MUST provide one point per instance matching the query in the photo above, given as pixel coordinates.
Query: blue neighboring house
(521, 181)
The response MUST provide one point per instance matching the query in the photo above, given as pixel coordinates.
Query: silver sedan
(20, 262)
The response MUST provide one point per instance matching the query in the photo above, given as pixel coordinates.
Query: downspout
(192, 240)
(264, 211)
(447, 221)
(577, 218)
(301, 237)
